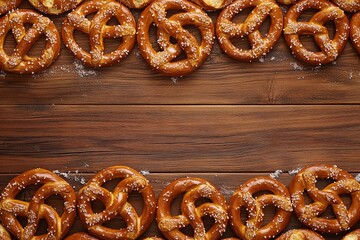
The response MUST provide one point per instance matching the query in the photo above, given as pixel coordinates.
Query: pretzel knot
(260, 45)
(243, 198)
(191, 214)
(116, 203)
(164, 61)
(19, 61)
(330, 49)
(7, 5)
(310, 214)
(97, 29)
(300, 234)
(37, 209)
(54, 6)
(355, 31)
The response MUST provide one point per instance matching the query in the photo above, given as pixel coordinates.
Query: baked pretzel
(243, 197)
(310, 214)
(191, 214)
(81, 236)
(260, 45)
(98, 30)
(355, 31)
(116, 203)
(135, 3)
(8, 5)
(4, 235)
(354, 235)
(165, 61)
(211, 5)
(55, 6)
(37, 209)
(19, 61)
(348, 5)
(330, 49)
(300, 234)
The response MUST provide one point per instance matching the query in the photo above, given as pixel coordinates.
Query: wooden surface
(227, 122)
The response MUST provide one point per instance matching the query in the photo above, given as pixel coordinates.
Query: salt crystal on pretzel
(8, 5)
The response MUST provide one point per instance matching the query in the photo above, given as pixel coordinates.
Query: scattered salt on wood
(276, 174)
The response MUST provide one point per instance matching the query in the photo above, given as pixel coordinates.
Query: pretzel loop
(329, 48)
(116, 203)
(19, 61)
(98, 30)
(194, 189)
(37, 209)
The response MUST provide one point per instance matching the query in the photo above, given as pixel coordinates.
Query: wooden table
(227, 122)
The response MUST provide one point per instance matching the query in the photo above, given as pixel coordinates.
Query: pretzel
(37, 209)
(116, 203)
(165, 61)
(354, 235)
(310, 214)
(191, 214)
(355, 31)
(244, 198)
(4, 235)
(287, 2)
(81, 236)
(8, 5)
(260, 45)
(55, 6)
(330, 49)
(212, 5)
(98, 30)
(19, 61)
(135, 3)
(300, 234)
(348, 5)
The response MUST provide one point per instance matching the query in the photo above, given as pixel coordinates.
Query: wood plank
(179, 138)
(278, 79)
(227, 183)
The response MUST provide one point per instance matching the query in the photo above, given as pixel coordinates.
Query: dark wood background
(227, 122)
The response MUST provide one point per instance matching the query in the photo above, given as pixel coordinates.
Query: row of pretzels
(252, 197)
(174, 27)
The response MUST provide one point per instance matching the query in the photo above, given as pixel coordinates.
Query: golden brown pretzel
(4, 235)
(54, 6)
(19, 61)
(173, 26)
(348, 5)
(310, 214)
(330, 49)
(300, 234)
(81, 236)
(135, 3)
(211, 5)
(116, 203)
(191, 214)
(7, 5)
(244, 198)
(37, 209)
(98, 30)
(260, 45)
(354, 235)
(355, 31)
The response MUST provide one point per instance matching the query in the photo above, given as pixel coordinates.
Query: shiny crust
(98, 31)
(354, 235)
(243, 198)
(300, 234)
(260, 45)
(348, 5)
(81, 236)
(355, 31)
(193, 189)
(8, 5)
(116, 203)
(211, 5)
(310, 214)
(162, 61)
(330, 48)
(4, 235)
(55, 6)
(19, 61)
(37, 209)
